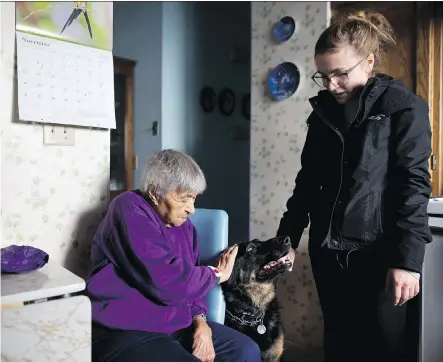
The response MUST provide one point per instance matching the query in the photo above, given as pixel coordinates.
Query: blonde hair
(365, 31)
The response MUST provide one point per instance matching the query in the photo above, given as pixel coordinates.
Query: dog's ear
(233, 279)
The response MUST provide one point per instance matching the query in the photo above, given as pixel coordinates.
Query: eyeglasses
(339, 79)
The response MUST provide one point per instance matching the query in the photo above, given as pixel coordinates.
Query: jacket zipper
(360, 103)
(335, 129)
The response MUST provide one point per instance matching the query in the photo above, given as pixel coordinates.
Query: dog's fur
(250, 293)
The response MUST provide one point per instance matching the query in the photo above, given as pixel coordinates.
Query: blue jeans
(123, 346)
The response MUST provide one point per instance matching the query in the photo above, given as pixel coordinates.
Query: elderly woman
(147, 286)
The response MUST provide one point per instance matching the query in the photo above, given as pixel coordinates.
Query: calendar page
(64, 83)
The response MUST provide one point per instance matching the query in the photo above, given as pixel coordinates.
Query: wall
(179, 48)
(180, 65)
(138, 36)
(219, 28)
(51, 197)
(278, 132)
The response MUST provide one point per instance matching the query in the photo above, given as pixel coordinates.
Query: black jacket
(366, 183)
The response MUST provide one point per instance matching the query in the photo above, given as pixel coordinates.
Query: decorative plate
(207, 99)
(284, 29)
(284, 80)
(226, 102)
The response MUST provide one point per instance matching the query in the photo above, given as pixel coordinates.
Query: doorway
(416, 60)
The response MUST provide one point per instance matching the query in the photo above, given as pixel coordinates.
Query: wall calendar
(65, 72)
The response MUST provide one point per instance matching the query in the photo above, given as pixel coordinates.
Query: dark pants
(361, 322)
(136, 346)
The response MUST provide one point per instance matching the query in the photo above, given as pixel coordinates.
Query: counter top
(50, 281)
(435, 211)
(435, 205)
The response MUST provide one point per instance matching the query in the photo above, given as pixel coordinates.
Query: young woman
(364, 187)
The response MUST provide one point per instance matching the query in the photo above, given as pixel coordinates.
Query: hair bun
(377, 20)
(367, 32)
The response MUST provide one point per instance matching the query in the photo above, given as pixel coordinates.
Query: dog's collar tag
(261, 329)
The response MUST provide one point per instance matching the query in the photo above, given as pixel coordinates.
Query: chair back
(212, 228)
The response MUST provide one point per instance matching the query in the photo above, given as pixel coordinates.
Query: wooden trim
(437, 97)
(126, 68)
(423, 66)
(430, 79)
(423, 78)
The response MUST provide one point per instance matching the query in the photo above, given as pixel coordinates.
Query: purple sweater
(145, 276)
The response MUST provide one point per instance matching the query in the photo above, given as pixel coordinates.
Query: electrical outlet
(58, 135)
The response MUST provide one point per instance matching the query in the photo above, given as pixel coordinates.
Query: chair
(212, 227)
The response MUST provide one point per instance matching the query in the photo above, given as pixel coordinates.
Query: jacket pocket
(374, 219)
(362, 221)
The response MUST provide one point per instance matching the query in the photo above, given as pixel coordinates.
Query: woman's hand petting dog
(202, 347)
(291, 258)
(226, 263)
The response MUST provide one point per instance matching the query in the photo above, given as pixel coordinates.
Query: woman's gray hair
(170, 170)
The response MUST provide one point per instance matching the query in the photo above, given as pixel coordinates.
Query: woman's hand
(226, 263)
(202, 347)
(404, 285)
(291, 258)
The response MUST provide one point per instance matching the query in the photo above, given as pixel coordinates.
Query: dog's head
(260, 261)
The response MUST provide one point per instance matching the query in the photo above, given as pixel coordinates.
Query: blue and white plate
(284, 80)
(284, 29)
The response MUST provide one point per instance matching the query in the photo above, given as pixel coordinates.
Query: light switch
(58, 135)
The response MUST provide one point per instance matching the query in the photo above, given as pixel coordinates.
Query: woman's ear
(370, 63)
(152, 197)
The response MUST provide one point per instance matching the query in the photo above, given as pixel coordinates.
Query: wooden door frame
(429, 71)
(126, 67)
(430, 79)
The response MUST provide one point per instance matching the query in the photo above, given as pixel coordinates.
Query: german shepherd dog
(251, 304)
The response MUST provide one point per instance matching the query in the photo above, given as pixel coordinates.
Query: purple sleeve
(199, 306)
(147, 261)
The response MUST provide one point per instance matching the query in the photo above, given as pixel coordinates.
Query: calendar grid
(64, 83)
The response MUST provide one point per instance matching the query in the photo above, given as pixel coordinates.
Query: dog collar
(261, 329)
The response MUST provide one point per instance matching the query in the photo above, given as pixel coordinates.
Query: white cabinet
(41, 320)
(431, 313)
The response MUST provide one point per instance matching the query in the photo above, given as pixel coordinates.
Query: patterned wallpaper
(52, 197)
(278, 131)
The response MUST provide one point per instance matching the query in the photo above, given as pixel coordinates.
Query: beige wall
(278, 133)
(52, 197)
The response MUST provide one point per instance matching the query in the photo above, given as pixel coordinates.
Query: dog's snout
(285, 240)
